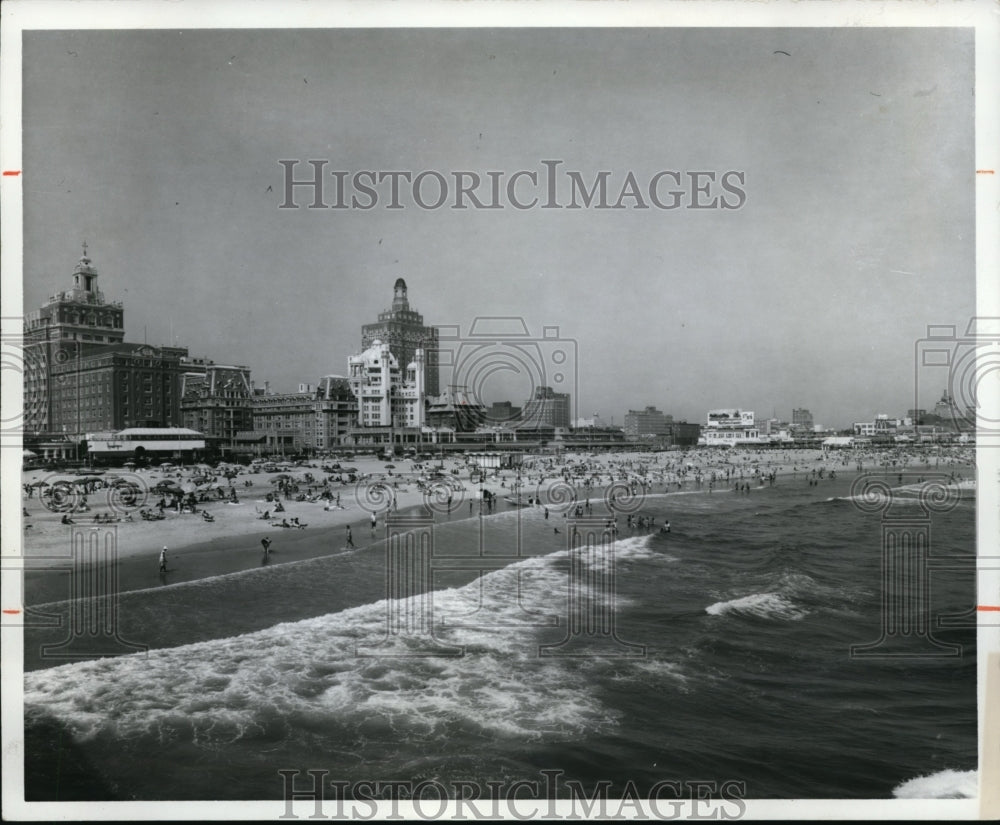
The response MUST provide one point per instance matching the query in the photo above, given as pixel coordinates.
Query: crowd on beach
(197, 503)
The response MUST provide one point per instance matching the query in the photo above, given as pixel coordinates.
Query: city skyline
(855, 235)
(451, 377)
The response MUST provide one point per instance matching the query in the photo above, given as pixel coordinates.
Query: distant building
(883, 426)
(593, 422)
(314, 419)
(503, 412)
(946, 409)
(682, 434)
(802, 419)
(650, 421)
(403, 330)
(455, 408)
(546, 408)
(728, 428)
(217, 400)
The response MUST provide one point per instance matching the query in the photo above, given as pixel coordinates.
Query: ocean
(719, 652)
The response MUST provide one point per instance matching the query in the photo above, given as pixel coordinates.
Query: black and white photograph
(465, 411)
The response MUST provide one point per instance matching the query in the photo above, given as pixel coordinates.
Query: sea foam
(762, 605)
(947, 784)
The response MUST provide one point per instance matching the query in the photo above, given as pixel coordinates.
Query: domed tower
(402, 328)
(399, 300)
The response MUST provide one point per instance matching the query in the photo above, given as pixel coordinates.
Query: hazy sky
(161, 149)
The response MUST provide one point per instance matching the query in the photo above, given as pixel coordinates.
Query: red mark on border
(12, 172)
(11, 612)
(993, 607)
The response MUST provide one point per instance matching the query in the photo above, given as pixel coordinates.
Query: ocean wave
(346, 674)
(947, 784)
(762, 605)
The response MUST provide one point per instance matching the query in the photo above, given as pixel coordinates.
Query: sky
(161, 149)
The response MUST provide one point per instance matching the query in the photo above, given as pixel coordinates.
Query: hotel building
(390, 401)
(402, 329)
(62, 331)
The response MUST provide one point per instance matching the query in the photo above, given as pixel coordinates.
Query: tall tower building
(67, 327)
(403, 330)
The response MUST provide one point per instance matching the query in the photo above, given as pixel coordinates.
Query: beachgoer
(266, 544)
(350, 539)
(163, 559)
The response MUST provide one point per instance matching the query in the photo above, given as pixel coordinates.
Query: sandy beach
(403, 487)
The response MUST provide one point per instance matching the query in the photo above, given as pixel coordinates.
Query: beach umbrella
(29, 454)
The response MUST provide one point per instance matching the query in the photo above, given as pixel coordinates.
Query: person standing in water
(163, 559)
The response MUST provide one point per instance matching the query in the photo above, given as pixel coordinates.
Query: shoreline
(231, 543)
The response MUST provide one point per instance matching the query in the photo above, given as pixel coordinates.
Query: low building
(143, 443)
(496, 460)
(729, 427)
